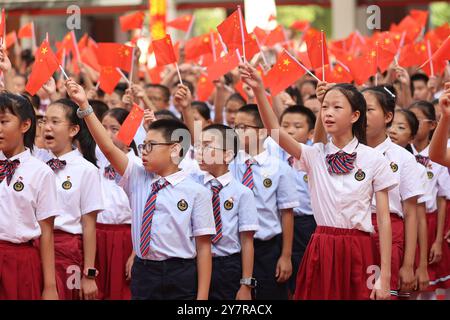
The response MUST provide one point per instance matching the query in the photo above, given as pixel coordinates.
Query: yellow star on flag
(286, 62)
(44, 50)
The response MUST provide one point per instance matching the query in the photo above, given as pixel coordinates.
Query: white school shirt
(183, 212)
(278, 193)
(407, 174)
(341, 201)
(437, 181)
(84, 195)
(237, 211)
(22, 208)
(117, 205)
(425, 183)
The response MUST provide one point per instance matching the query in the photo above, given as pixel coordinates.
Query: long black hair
(413, 123)
(427, 109)
(385, 96)
(21, 107)
(120, 115)
(84, 138)
(358, 103)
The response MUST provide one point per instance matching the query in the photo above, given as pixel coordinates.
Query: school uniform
(304, 223)
(234, 211)
(27, 196)
(79, 192)
(342, 183)
(272, 182)
(167, 214)
(408, 175)
(113, 235)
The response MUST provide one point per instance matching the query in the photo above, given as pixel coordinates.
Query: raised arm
(116, 157)
(251, 77)
(182, 100)
(438, 148)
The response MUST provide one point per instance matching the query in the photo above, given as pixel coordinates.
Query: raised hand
(77, 94)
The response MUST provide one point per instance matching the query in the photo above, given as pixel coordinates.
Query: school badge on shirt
(394, 167)
(228, 205)
(67, 184)
(360, 175)
(19, 186)
(182, 205)
(305, 178)
(267, 183)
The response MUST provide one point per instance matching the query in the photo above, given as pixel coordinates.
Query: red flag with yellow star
(182, 23)
(198, 46)
(277, 35)
(164, 52)
(413, 54)
(204, 88)
(231, 32)
(284, 73)
(109, 78)
(132, 21)
(223, 65)
(131, 125)
(317, 49)
(45, 65)
(26, 31)
(111, 54)
(11, 38)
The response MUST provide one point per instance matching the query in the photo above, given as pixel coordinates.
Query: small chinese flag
(164, 52)
(300, 25)
(413, 54)
(26, 31)
(109, 78)
(198, 46)
(181, 23)
(231, 32)
(130, 125)
(115, 54)
(204, 88)
(284, 73)
(317, 50)
(3, 26)
(276, 36)
(11, 39)
(132, 21)
(223, 65)
(45, 65)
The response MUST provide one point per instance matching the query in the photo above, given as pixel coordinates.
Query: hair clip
(389, 91)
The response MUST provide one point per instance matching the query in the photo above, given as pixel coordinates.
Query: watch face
(91, 273)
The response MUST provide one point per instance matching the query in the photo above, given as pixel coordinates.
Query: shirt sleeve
(47, 204)
(308, 157)
(202, 214)
(410, 179)
(444, 183)
(248, 215)
(287, 195)
(91, 192)
(132, 174)
(383, 177)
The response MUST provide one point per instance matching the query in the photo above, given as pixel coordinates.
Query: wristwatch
(250, 282)
(90, 273)
(84, 113)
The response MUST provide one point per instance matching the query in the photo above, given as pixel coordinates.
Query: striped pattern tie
(56, 164)
(147, 217)
(247, 180)
(425, 161)
(216, 209)
(340, 162)
(291, 161)
(7, 169)
(110, 173)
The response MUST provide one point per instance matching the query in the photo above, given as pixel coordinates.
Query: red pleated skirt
(339, 264)
(20, 272)
(68, 264)
(114, 247)
(398, 248)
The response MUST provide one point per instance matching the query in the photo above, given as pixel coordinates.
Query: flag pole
(213, 46)
(33, 39)
(400, 46)
(261, 52)
(301, 65)
(63, 60)
(323, 56)
(4, 29)
(130, 76)
(376, 69)
(430, 58)
(75, 44)
(179, 74)
(242, 31)
(188, 32)
(63, 72)
(123, 76)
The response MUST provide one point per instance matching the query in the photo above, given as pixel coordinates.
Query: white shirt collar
(69, 156)
(260, 158)
(224, 179)
(349, 148)
(423, 153)
(384, 146)
(23, 156)
(174, 178)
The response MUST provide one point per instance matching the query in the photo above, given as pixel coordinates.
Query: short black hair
(252, 109)
(418, 77)
(165, 91)
(202, 109)
(165, 114)
(120, 89)
(173, 131)
(187, 83)
(236, 97)
(99, 107)
(229, 137)
(310, 116)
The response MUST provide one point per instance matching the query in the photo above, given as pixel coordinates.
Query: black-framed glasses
(245, 127)
(148, 147)
(199, 148)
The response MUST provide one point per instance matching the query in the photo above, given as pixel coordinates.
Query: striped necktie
(147, 217)
(340, 162)
(216, 209)
(247, 180)
(56, 164)
(7, 169)
(110, 173)
(425, 161)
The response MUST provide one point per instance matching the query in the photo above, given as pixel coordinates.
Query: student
(172, 215)
(272, 182)
(26, 213)
(344, 175)
(234, 208)
(419, 87)
(439, 151)
(80, 196)
(114, 248)
(201, 113)
(403, 198)
(402, 132)
(436, 206)
(232, 105)
(298, 122)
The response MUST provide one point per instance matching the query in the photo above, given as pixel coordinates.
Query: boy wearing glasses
(172, 219)
(234, 207)
(273, 185)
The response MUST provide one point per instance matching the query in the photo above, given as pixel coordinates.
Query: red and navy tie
(216, 209)
(147, 217)
(7, 169)
(56, 164)
(425, 161)
(247, 180)
(340, 162)
(110, 173)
